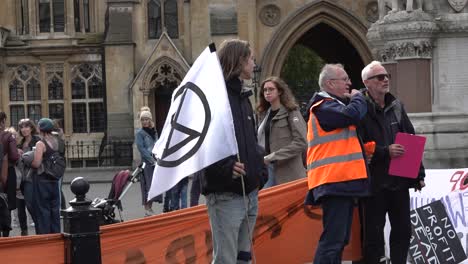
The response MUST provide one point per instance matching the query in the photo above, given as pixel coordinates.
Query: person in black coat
(10, 156)
(225, 182)
(385, 117)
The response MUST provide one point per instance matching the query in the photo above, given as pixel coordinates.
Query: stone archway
(302, 21)
(163, 76)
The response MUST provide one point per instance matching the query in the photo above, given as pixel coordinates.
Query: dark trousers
(195, 190)
(22, 217)
(47, 206)
(337, 220)
(179, 195)
(145, 183)
(374, 209)
(28, 193)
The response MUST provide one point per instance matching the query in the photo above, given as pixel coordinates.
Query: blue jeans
(271, 176)
(179, 195)
(28, 193)
(337, 220)
(47, 205)
(230, 227)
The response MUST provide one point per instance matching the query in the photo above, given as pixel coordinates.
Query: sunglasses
(380, 77)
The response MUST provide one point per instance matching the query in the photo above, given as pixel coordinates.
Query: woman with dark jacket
(282, 131)
(225, 181)
(29, 138)
(10, 156)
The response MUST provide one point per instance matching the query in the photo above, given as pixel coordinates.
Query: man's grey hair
(328, 72)
(368, 68)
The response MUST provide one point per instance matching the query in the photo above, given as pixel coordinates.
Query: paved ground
(100, 185)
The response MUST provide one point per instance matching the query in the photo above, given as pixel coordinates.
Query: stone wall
(446, 139)
(450, 75)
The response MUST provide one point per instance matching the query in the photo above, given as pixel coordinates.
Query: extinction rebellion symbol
(191, 134)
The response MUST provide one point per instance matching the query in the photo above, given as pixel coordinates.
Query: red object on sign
(407, 165)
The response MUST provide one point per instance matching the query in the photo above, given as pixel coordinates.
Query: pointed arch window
(55, 92)
(162, 13)
(25, 93)
(88, 108)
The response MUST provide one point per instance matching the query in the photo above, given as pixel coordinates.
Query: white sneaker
(149, 212)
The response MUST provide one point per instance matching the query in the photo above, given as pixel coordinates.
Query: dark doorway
(162, 102)
(163, 82)
(321, 44)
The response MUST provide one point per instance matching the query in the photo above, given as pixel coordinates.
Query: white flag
(199, 129)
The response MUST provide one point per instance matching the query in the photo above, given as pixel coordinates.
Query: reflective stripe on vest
(334, 156)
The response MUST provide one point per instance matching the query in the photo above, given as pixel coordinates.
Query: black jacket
(382, 125)
(218, 176)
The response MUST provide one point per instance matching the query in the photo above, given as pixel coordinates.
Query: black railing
(98, 154)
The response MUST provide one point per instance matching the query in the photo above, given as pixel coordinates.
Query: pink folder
(407, 165)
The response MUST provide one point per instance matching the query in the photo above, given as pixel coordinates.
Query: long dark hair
(286, 96)
(232, 55)
(26, 122)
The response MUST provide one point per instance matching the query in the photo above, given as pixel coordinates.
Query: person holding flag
(233, 215)
(210, 127)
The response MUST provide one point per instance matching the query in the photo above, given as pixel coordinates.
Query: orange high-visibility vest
(334, 156)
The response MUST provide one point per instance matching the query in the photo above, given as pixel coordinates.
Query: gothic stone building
(95, 63)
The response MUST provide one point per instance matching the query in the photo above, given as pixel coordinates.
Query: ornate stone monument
(424, 45)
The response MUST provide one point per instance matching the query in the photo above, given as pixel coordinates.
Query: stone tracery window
(55, 91)
(162, 13)
(88, 108)
(25, 93)
(165, 77)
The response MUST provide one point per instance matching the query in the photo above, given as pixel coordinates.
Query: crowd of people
(276, 145)
(333, 152)
(25, 184)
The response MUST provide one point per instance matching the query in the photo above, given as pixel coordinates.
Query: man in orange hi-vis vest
(336, 167)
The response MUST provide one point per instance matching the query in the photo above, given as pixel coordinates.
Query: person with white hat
(145, 139)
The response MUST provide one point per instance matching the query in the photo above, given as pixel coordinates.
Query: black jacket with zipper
(381, 125)
(218, 177)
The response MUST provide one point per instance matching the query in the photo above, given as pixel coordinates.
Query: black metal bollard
(81, 228)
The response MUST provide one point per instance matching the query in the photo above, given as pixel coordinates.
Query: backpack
(54, 163)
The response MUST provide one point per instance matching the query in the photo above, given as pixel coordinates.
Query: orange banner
(286, 232)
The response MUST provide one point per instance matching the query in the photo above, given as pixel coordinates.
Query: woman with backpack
(46, 187)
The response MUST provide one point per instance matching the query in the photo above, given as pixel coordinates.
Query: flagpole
(247, 215)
